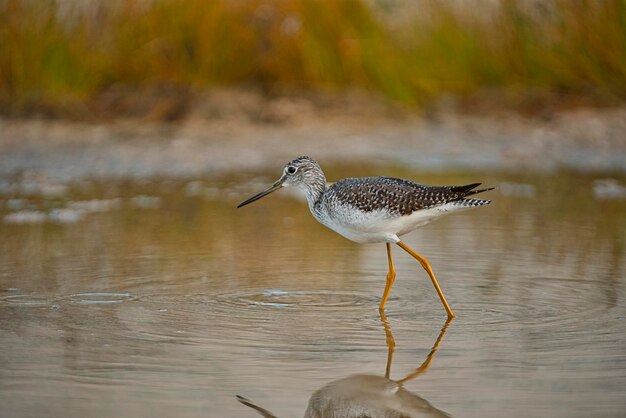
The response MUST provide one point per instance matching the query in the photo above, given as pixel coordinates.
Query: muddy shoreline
(590, 140)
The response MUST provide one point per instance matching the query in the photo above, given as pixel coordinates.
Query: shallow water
(159, 298)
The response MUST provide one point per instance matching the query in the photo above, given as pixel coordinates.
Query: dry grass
(60, 57)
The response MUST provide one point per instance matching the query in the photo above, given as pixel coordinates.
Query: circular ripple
(486, 314)
(27, 300)
(533, 301)
(93, 298)
(538, 301)
(177, 298)
(270, 298)
(281, 299)
(266, 319)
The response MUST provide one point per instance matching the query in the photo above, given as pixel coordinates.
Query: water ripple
(266, 319)
(91, 298)
(308, 299)
(27, 300)
(85, 298)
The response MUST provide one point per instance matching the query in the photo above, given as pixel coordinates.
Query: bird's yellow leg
(391, 343)
(426, 364)
(391, 276)
(429, 270)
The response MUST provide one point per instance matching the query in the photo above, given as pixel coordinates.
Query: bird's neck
(314, 190)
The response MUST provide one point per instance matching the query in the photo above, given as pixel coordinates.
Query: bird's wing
(396, 195)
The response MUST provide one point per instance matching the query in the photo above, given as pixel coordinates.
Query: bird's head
(303, 172)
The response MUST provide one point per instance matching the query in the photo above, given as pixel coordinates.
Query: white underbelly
(380, 226)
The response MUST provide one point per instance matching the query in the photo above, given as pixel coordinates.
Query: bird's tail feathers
(468, 190)
(464, 189)
(473, 192)
(470, 203)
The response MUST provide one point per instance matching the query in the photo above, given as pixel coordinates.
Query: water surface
(158, 298)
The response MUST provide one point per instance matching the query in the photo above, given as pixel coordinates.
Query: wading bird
(366, 395)
(375, 209)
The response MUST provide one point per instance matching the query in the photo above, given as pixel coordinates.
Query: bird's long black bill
(265, 192)
(264, 412)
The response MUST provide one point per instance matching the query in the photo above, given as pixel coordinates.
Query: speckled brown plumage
(398, 196)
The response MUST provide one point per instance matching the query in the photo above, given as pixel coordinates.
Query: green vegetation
(59, 54)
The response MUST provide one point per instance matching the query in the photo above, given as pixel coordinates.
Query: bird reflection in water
(370, 396)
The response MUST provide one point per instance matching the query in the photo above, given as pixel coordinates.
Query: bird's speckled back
(396, 196)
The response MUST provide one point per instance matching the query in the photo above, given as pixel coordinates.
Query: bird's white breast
(379, 225)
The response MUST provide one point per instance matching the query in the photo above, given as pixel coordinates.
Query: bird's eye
(291, 169)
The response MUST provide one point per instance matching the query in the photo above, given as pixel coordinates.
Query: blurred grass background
(64, 58)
